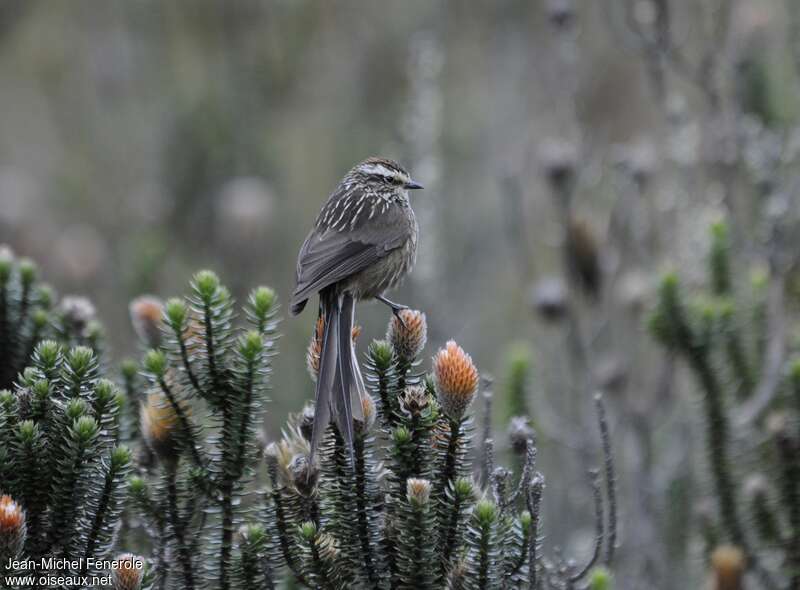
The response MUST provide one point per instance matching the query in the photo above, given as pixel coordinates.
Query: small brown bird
(363, 242)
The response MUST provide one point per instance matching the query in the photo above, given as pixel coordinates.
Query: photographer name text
(80, 564)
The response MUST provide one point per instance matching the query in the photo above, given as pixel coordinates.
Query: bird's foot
(395, 307)
(396, 312)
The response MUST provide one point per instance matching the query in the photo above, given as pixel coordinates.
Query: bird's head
(383, 175)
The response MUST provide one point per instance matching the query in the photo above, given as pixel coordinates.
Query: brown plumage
(363, 243)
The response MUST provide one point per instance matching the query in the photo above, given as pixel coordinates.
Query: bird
(363, 243)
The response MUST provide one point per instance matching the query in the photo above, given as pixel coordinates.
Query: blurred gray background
(142, 141)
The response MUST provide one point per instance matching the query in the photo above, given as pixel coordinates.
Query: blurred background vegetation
(569, 156)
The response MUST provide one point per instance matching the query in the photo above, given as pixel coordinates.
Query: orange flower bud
(160, 427)
(12, 528)
(728, 565)
(127, 572)
(456, 379)
(146, 316)
(408, 336)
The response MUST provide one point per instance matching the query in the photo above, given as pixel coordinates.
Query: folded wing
(330, 255)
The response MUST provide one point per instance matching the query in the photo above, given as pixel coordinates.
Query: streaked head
(383, 173)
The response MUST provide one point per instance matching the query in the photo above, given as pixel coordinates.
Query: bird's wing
(330, 255)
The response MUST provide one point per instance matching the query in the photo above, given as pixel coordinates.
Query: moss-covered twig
(599, 528)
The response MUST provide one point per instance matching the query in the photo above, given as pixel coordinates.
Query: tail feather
(356, 389)
(359, 391)
(326, 375)
(298, 306)
(340, 385)
(343, 408)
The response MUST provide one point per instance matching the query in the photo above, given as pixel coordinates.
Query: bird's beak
(413, 185)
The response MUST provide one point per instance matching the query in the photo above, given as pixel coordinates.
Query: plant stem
(97, 522)
(320, 567)
(450, 536)
(451, 457)
(176, 522)
(534, 502)
(283, 533)
(387, 409)
(187, 365)
(226, 489)
(520, 561)
(717, 441)
(211, 350)
(362, 506)
(790, 495)
(183, 419)
(611, 491)
(7, 366)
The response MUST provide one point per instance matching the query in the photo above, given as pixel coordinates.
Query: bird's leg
(396, 308)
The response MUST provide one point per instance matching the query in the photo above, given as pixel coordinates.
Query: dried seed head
(756, 486)
(24, 401)
(304, 475)
(78, 314)
(243, 208)
(315, 348)
(127, 572)
(583, 255)
(638, 161)
(457, 577)
(414, 400)
(456, 380)
(645, 14)
(519, 433)
(561, 13)
(418, 491)
(407, 337)
(160, 427)
(611, 374)
(282, 453)
(501, 478)
(633, 290)
(147, 317)
(777, 423)
(728, 565)
(368, 411)
(12, 527)
(559, 160)
(549, 299)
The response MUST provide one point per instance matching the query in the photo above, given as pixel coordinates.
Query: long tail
(340, 386)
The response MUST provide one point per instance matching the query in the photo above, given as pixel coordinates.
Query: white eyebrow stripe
(378, 169)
